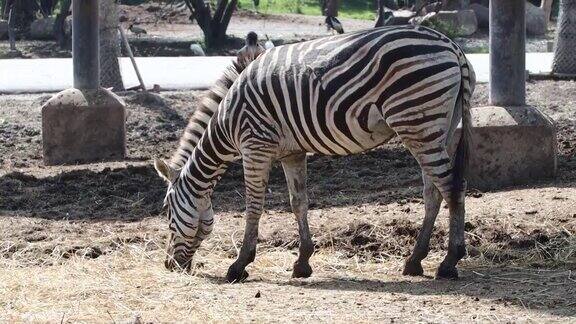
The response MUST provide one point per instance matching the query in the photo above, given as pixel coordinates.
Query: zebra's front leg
(432, 201)
(295, 171)
(256, 170)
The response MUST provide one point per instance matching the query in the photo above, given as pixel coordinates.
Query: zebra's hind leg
(257, 165)
(432, 201)
(456, 243)
(446, 176)
(295, 171)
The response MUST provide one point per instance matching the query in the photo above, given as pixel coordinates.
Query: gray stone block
(81, 126)
(511, 146)
(463, 20)
(42, 28)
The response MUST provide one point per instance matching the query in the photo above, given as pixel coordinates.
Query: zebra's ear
(165, 171)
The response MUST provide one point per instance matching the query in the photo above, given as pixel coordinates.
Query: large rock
(482, 14)
(42, 28)
(460, 23)
(3, 29)
(80, 126)
(464, 20)
(535, 20)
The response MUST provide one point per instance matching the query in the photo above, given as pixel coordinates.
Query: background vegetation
(357, 9)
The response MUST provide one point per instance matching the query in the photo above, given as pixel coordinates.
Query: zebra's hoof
(446, 272)
(301, 270)
(236, 274)
(413, 268)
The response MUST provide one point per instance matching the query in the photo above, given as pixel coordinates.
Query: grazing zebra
(338, 95)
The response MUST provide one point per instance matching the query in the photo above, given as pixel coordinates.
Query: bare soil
(85, 243)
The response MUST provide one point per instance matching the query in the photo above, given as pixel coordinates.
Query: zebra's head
(190, 219)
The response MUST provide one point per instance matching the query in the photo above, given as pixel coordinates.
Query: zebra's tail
(460, 166)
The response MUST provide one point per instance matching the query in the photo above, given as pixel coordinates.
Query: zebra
(339, 95)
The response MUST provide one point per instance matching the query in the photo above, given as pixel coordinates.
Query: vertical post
(11, 32)
(85, 44)
(507, 52)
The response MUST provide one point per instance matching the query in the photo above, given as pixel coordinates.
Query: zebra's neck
(209, 160)
(202, 115)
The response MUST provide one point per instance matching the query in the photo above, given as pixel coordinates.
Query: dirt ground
(85, 243)
(163, 23)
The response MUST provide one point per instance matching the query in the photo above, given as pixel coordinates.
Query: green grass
(356, 9)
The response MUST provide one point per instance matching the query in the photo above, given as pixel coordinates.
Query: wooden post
(86, 123)
(512, 143)
(11, 33)
(507, 53)
(85, 44)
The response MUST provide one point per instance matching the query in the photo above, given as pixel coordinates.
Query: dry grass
(61, 278)
(131, 282)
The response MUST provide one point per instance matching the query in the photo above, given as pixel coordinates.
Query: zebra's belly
(378, 135)
(356, 139)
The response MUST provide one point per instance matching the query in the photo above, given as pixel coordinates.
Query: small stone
(258, 294)
(531, 212)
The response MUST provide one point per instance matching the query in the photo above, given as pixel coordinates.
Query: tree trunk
(213, 27)
(564, 63)
(110, 76)
(546, 5)
(24, 14)
(59, 25)
(46, 7)
(331, 8)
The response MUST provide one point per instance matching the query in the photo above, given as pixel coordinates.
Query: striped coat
(337, 96)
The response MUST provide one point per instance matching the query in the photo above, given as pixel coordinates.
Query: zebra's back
(341, 95)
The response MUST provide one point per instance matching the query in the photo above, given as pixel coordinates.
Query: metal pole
(507, 53)
(85, 44)
(131, 55)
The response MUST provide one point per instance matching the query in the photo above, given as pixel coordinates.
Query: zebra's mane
(201, 116)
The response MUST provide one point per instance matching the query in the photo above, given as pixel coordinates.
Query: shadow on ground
(542, 290)
(381, 176)
(137, 191)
